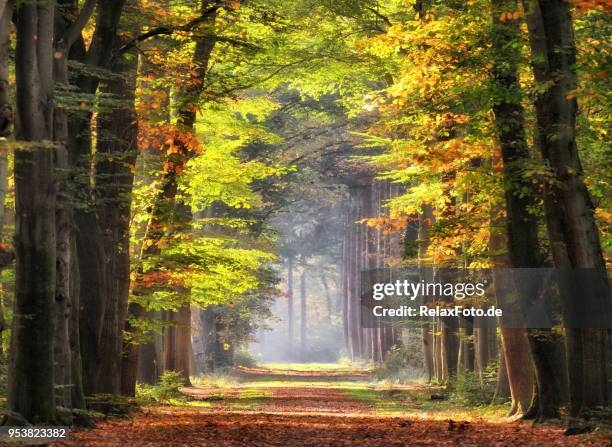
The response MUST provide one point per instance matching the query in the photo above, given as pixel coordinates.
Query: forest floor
(333, 407)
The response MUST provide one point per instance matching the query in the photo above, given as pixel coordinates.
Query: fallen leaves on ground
(163, 426)
(310, 415)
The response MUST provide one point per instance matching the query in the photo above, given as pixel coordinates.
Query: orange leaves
(388, 225)
(587, 5)
(176, 144)
(172, 148)
(507, 16)
(155, 279)
(299, 416)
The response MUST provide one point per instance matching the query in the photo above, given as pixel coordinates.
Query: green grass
(303, 383)
(255, 393)
(381, 396)
(189, 403)
(319, 367)
(417, 403)
(216, 381)
(249, 398)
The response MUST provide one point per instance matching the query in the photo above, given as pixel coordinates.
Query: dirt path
(316, 414)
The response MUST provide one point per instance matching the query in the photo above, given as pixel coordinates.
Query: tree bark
(303, 314)
(425, 220)
(78, 393)
(31, 380)
(290, 319)
(177, 343)
(151, 365)
(89, 238)
(6, 128)
(515, 348)
(573, 232)
(521, 223)
(66, 27)
(328, 298)
(114, 167)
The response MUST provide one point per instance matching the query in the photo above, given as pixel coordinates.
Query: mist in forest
(306, 318)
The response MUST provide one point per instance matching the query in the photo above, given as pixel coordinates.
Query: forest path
(288, 408)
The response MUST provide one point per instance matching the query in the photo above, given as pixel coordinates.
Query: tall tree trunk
(207, 317)
(502, 388)
(573, 232)
(31, 380)
(484, 338)
(345, 283)
(90, 248)
(522, 225)
(328, 298)
(515, 352)
(303, 314)
(67, 27)
(425, 220)
(6, 122)
(78, 393)
(6, 111)
(150, 364)
(290, 318)
(177, 343)
(114, 167)
(466, 345)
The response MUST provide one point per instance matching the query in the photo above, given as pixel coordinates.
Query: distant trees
(455, 107)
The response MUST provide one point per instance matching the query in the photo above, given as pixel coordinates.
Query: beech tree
(32, 343)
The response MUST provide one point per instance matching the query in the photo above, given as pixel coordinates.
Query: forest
(195, 194)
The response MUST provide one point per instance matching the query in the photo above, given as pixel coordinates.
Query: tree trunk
(114, 168)
(31, 380)
(90, 250)
(65, 27)
(502, 389)
(328, 298)
(78, 394)
(207, 318)
(466, 345)
(522, 225)
(344, 278)
(151, 364)
(303, 314)
(573, 232)
(6, 111)
(177, 343)
(290, 319)
(6, 122)
(425, 220)
(514, 344)
(484, 337)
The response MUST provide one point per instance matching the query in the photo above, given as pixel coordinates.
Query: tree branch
(379, 15)
(166, 31)
(72, 33)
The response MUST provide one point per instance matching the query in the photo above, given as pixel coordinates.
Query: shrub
(166, 388)
(244, 358)
(469, 388)
(400, 364)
